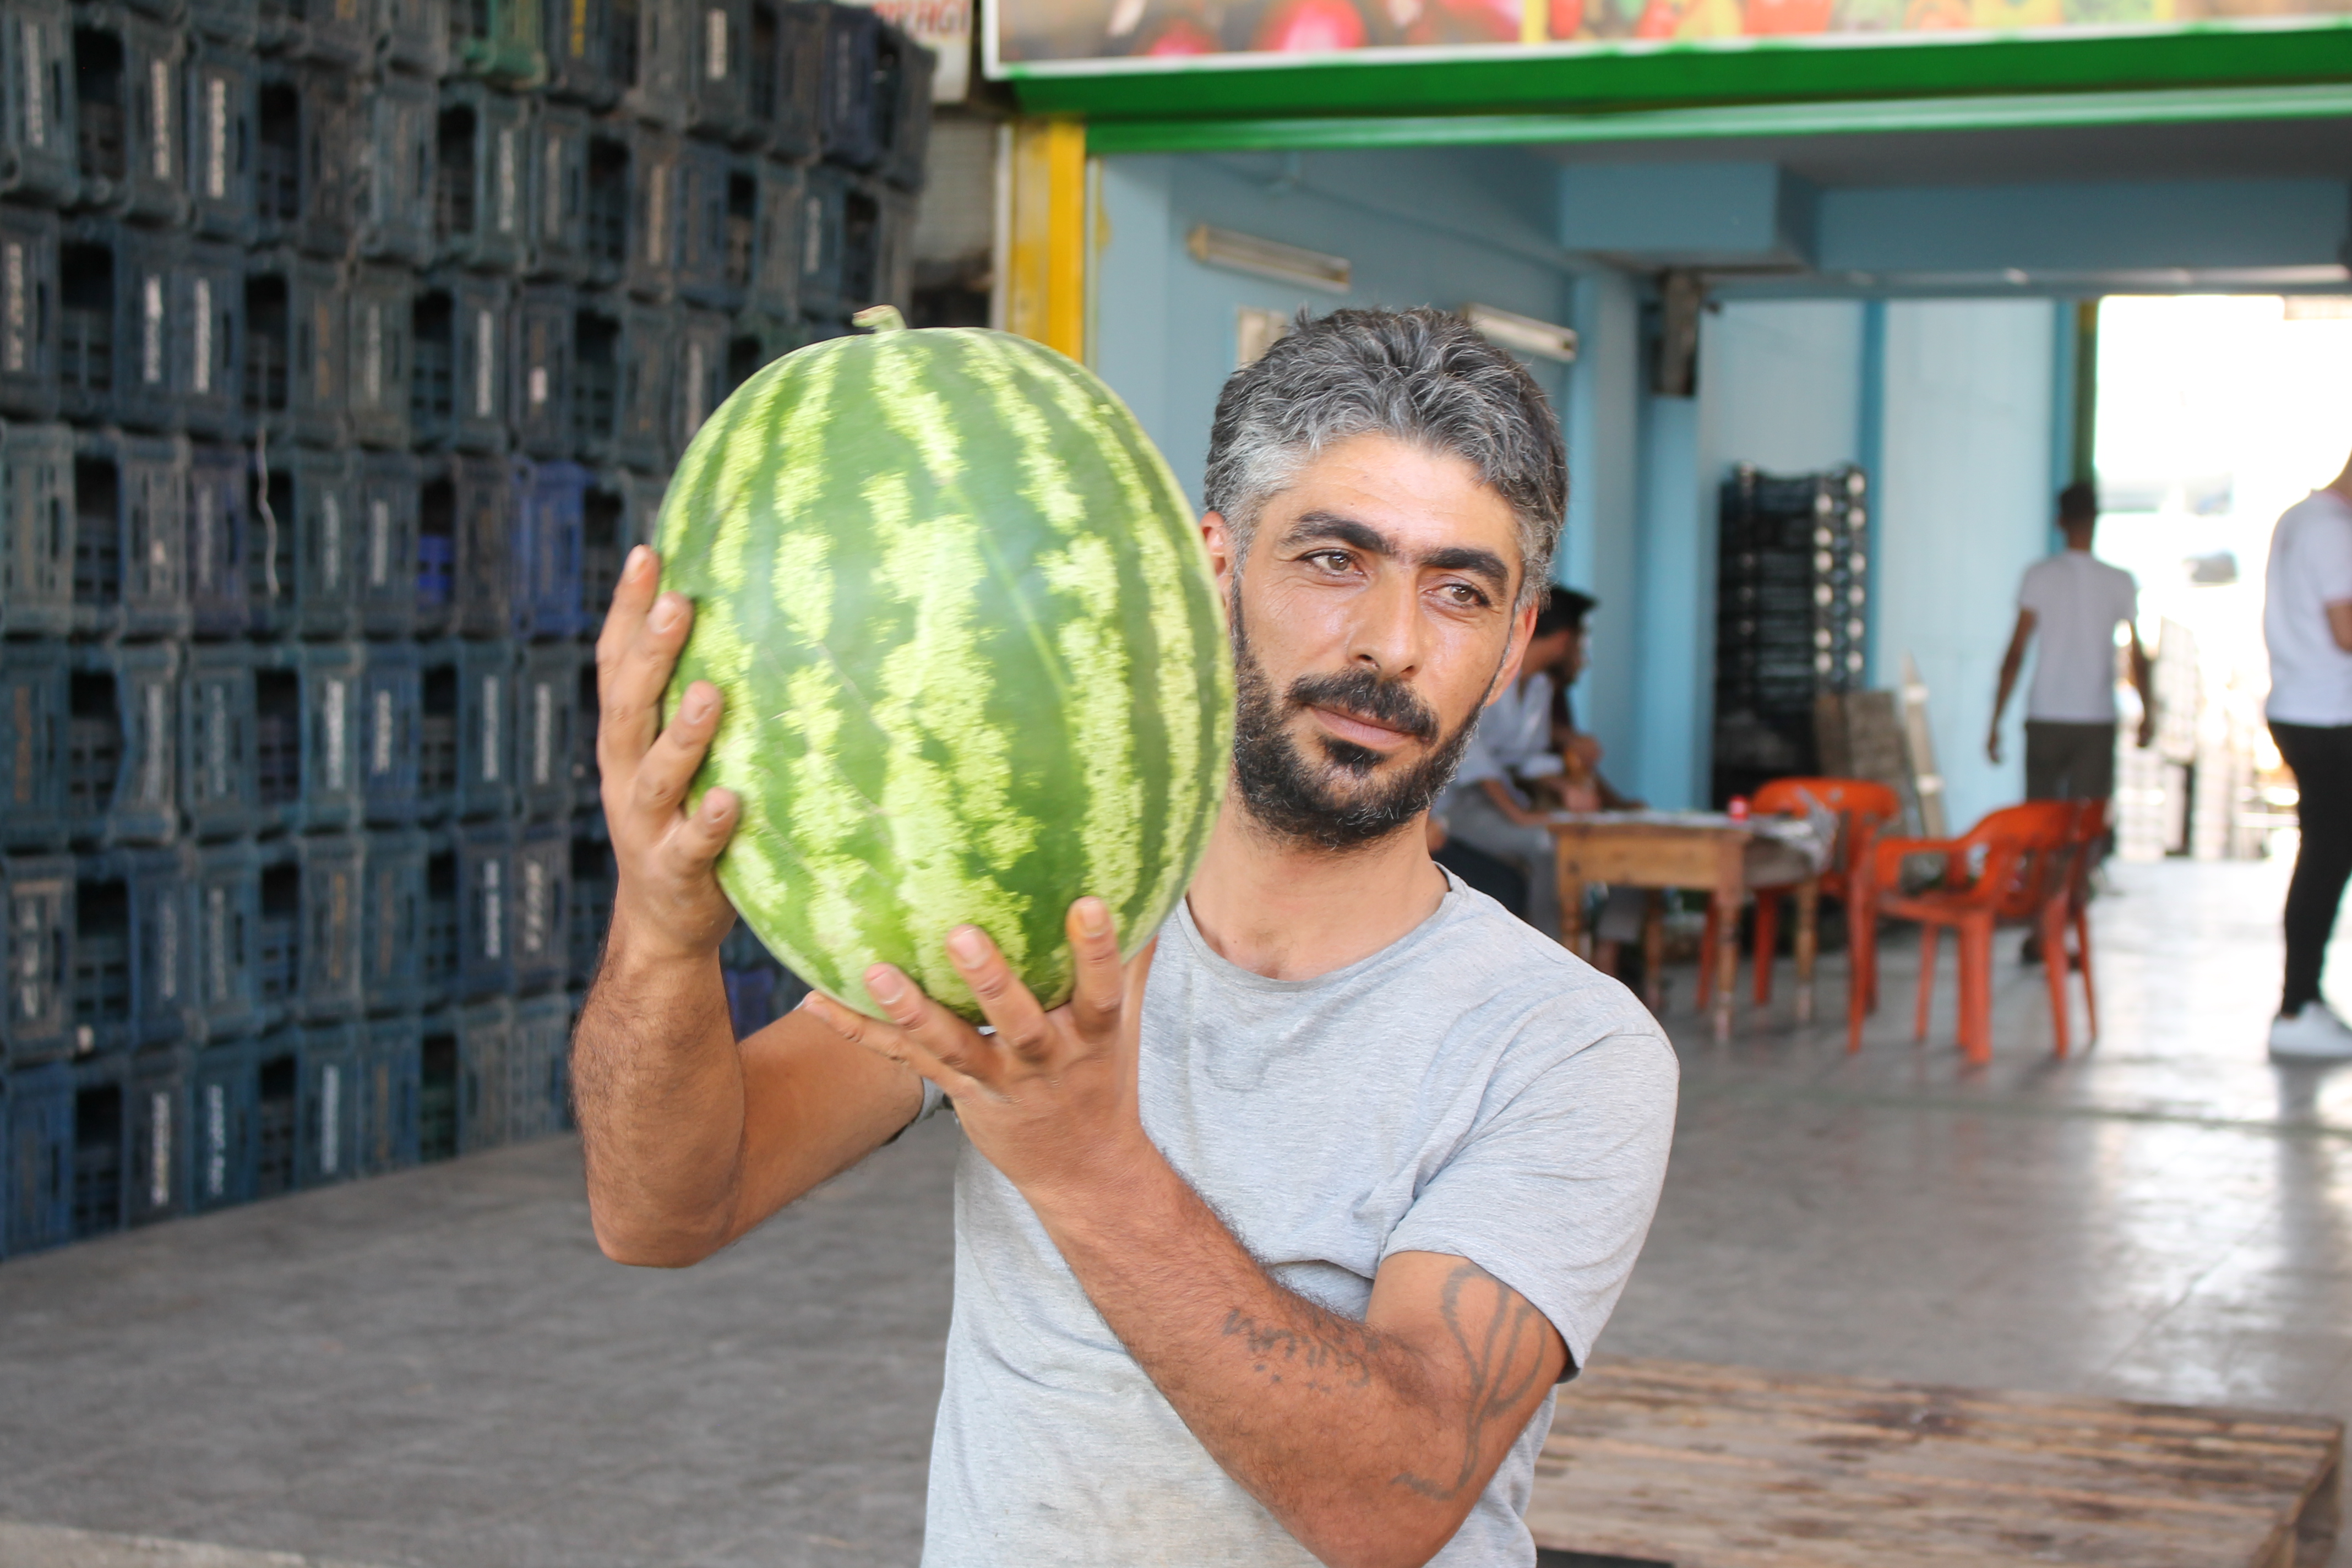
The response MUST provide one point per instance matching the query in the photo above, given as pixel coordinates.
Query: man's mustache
(1363, 695)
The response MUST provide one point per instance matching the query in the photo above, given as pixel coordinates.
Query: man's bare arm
(2011, 663)
(1368, 1441)
(2339, 623)
(690, 1138)
(2143, 679)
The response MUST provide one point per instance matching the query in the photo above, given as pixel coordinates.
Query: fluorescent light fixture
(1269, 258)
(1524, 333)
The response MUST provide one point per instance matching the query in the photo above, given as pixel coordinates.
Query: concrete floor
(437, 1369)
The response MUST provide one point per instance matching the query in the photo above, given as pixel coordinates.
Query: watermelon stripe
(971, 653)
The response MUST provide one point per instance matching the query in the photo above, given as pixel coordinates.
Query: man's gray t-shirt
(1472, 1090)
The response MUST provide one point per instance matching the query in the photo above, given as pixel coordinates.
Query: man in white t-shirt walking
(2073, 602)
(2308, 624)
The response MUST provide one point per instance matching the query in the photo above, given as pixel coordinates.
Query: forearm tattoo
(1501, 1337)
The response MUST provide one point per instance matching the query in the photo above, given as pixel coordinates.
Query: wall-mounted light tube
(1525, 333)
(1269, 258)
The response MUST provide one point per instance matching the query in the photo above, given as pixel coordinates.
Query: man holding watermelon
(1274, 1240)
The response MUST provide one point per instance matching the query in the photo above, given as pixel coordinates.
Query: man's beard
(1294, 798)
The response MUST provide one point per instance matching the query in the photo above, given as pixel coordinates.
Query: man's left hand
(2146, 728)
(1050, 1097)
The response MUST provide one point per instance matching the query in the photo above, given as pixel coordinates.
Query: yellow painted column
(1046, 258)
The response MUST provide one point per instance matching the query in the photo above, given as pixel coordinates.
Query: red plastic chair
(2014, 868)
(1863, 809)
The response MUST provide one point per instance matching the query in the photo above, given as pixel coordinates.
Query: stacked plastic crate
(345, 350)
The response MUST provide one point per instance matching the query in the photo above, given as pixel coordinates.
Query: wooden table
(1724, 1466)
(1675, 849)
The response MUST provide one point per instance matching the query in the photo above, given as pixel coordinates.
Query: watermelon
(973, 656)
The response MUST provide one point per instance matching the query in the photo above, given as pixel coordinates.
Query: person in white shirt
(2073, 602)
(2308, 624)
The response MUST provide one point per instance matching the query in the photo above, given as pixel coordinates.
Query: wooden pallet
(1720, 1466)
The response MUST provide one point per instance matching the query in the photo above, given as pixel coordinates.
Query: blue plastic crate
(546, 691)
(131, 535)
(579, 52)
(751, 998)
(538, 1068)
(70, 1152)
(36, 694)
(555, 217)
(764, 275)
(439, 1088)
(547, 540)
(391, 935)
(390, 760)
(605, 546)
(543, 905)
(206, 320)
(486, 909)
(413, 37)
(384, 562)
(650, 269)
(335, 736)
(36, 1008)
(650, 43)
(28, 313)
(38, 159)
(457, 390)
(122, 743)
(481, 498)
(441, 941)
(296, 318)
(224, 904)
(852, 99)
(160, 1131)
(131, 964)
(276, 1112)
(385, 1090)
(219, 486)
(222, 744)
(221, 1116)
(641, 368)
(36, 530)
(592, 882)
(482, 190)
(123, 347)
(719, 70)
(699, 263)
(278, 943)
(311, 123)
(303, 511)
(219, 106)
(699, 350)
(792, 89)
(608, 204)
(438, 727)
(485, 729)
(334, 927)
(329, 1100)
(130, 96)
(540, 360)
(377, 353)
(397, 179)
(485, 1030)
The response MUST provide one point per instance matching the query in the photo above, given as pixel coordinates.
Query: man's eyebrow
(1470, 558)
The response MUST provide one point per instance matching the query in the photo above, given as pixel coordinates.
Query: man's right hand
(667, 904)
(1993, 745)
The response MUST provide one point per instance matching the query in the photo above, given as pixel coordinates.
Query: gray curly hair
(1425, 377)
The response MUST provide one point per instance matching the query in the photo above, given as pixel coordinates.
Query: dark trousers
(2321, 758)
(2069, 762)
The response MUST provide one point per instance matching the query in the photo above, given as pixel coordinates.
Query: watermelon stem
(880, 319)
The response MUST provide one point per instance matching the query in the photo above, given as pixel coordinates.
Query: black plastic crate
(130, 126)
(115, 298)
(620, 383)
(310, 703)
(486, 909)
(339, 34)
(224, 905)
(719, 68)
(233, 22)
(485, 1030)
(649, 46)
(484, 751)
(384, 1092)
(437, 549)
(36, 530)
(313, 926)
(905, 132)
(393, 760)
(34, 715)
(498, 40)
(586, 777)
(28, 313)
(555, 218)
(398, 180)
(327, 1101)
(221, 1132)
(276, 1111)
(207, 355)
(840, 243)
(219, 101)
(122, 742)
(440, 1087)
(69, 1137)
(547, 685)
(300, 573)
(766, 206)
(413, 37)
(876, 107)
(591, 887)
(700, 351)
(385, 561)
(550, 522)
(38, 160)
(160, 1123)
(482, 175)
(130, 535)
(218, 539)
(605, 539)
(790, 91)
(458, 396)
(221, 743)
(579, 52)
(392, 896)
(296, 321)
(309, 140)
(37, 1010)
(541, 394)
(538, 1060)
(482, 494)
(131, 956)
(656, 212)
(378, 353)
(699, 248)
(440, 947)
(541, 896)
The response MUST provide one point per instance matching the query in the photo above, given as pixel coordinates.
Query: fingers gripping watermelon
(972, 655)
